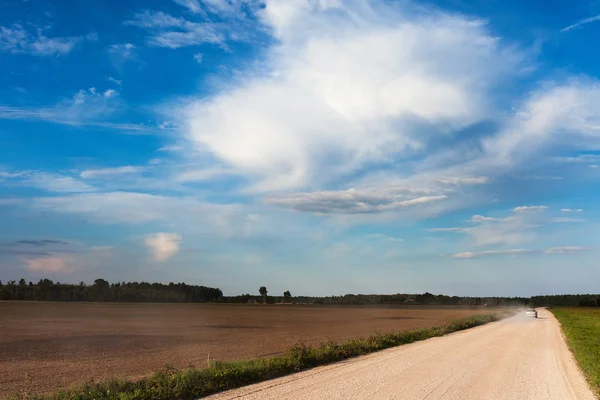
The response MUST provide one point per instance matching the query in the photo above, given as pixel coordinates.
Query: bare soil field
(49, 346)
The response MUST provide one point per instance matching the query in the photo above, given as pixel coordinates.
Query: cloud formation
(163, 246)
(353, 201)
(523, 209)
(581, 23)
(378, 83)
(109, 172)
(15, 39)
(475, 254)
(174, 32)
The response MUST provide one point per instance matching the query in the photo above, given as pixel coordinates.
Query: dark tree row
(568, 300)
(101, 290)
(373, 299)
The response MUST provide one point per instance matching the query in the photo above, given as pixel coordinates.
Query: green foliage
(582, 329)
(102, 290)
(193, 383)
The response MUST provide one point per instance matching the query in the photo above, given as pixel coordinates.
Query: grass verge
(581, 327)
(193, 383)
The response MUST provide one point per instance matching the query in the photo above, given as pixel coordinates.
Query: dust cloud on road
(518, 358)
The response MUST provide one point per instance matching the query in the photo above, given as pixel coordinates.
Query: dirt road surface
(518, 358)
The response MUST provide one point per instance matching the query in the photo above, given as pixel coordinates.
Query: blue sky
(317, 146)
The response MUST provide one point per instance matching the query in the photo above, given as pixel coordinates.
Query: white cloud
(464, 180)
(120, 53)
(198, 175)
(16, 39)
(192, 5)
(85, 107)
(353, 201)
(364, 83)
(523, 209)
(471, 254)
(199, 57)
(481, 218)
(174, 32)
(109, 172)
(580, 23)
(571, 210)
(56, 183)
(564, 250)
(561, 116)
(163, 246)
(512, 230)
(564, 220)
(114, 80)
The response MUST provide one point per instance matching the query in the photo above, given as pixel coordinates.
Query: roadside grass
(193, 383)
(581, 327)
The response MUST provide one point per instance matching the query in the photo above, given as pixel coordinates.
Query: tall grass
(581, 327)
(193, 383)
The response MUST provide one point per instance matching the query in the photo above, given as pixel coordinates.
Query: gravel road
(518, 358)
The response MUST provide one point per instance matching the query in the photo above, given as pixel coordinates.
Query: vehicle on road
(531, 311)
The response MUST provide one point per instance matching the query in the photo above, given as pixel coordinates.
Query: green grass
(581, 327)
(192, 383)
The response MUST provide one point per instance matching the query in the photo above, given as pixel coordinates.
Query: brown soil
(49, 346)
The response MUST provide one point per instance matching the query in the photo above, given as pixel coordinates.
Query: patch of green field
(194, 383)
(581, 327)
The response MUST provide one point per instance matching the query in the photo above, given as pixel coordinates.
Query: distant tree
(22, 282)
(263, 293)
(101, 284)
(287, 296)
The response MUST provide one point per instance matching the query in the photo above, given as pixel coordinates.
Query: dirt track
(517, 358)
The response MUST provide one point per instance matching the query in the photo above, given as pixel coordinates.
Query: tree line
(102, 290)
(567, 300)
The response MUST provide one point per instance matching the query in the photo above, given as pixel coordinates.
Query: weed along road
(517, 358)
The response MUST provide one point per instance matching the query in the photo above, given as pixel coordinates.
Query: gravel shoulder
(517, 358)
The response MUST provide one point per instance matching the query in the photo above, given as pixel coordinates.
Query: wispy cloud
(564, 250)
(174, 32)
(476, 254)
(16, 39)
(193, 6)
(565, 220)
(110, 172)
(58, 183)
(163, 245)
(571, 210)
(114, 80)
(581, 23)
(352, 201)
(513, 252)
(523, 209)
(88, 107)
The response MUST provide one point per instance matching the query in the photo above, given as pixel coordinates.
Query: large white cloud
(349, 83)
